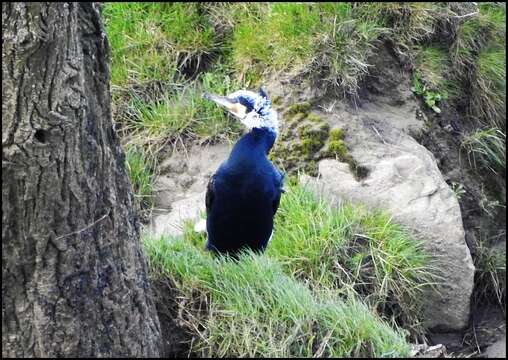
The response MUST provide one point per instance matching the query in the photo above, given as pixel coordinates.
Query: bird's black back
(243, 196)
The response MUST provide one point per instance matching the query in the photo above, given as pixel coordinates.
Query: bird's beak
(232, 106)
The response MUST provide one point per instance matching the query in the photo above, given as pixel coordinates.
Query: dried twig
(85, 228)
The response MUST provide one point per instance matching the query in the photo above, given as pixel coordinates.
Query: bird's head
(253, 109)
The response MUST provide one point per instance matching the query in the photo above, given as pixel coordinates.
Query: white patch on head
(262, 116)
(254, 120)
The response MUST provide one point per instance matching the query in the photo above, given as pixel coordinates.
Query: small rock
(174, 164)
(426, 351)
(171, 223)
(497, 349)
(185, 180)
(165, 189)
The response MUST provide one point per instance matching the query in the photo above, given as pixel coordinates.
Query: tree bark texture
(74, 278)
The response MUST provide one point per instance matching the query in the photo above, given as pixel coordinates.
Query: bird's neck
(256, 143)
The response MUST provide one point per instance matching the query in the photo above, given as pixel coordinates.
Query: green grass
(184, 115)
(254, 309)
(432, 63)
(479, 57)
(280, 39)
(325, 266)
(350, 248)
(490, 275)
(432, 77)
(315, 38)
(486, 148)
(489, 102)
(329, 42)
(152, 41)
(140, 169)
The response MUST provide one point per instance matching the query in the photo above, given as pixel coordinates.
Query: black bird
(243, 195)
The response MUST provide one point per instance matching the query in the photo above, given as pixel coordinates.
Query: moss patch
(300, 142)
(337, 134)
(337, 147)
(303, 108)
(305, 139)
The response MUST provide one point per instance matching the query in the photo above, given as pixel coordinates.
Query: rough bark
(74, 278)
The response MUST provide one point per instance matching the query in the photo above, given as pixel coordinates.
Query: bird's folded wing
(210, 194)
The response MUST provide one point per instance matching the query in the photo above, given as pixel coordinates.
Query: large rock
(404, 180)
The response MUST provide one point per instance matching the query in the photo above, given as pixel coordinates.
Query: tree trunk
(74, 278)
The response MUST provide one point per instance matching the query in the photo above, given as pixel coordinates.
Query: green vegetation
(185, 114)
(254, 309)
(490, 85)
(350, 248)
(298, 108)
(458, 189)
(301, 298)
(140, 170)
(490, 264)
(188, 48)
(155, 41)
(486, 149)
(479, 57)
(337, 134)
(430, 78)
(305, 139)
(169, 42)
(338, 148)
(300, 141)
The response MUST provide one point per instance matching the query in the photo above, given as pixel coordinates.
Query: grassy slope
(306, 295)
(257, 310)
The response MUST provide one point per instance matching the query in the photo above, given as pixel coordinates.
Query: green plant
(350, 248)
(490, 275)
(489, 101)
(486, 148)
(458, 189)
(431, 97)
(140, 167)
(155, 41)
(250, 307)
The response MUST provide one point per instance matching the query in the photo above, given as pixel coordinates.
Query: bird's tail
(200, 226)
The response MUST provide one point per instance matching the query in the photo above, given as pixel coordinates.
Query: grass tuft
(155, 41)
(486, 148)
(353, 249)
(254, 309)
(489, 100)
(140, 169)
(490, 276)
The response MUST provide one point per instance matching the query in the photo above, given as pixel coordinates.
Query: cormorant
(243, 195)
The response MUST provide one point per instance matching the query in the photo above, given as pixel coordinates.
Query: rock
(497, 349)
(173, 164)
(404, 180)
(164, 189)
(185, 180)
(426, 351)
(171, 223)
